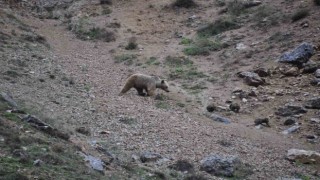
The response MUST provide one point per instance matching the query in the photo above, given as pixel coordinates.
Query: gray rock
(262, 72)
(315, 82)
(290, 110)
(219, 118)
(9, 99)
(291, 130)
(37, 162)
(149, 157)
(310, 67)
(299, 55)
(95, 163)
(313, 103)
(289, 121)
(303, 156)
(211, 107)
(220, 166)
(317, 73)
(251, 79)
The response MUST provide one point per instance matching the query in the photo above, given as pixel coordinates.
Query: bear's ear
(162, 81)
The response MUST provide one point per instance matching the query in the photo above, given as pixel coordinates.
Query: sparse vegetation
(186, 41)
(126, 58)
(266, 16)
(300, 14)
(177, 61)
(162, 105)
(219, 26)
(185, 3)
(152, 61)
(202, 46)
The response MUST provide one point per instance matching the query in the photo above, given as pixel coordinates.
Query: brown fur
(143, 82)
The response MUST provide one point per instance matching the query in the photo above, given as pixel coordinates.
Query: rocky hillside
(244, 94)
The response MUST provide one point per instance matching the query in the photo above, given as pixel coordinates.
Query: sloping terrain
(66, 62)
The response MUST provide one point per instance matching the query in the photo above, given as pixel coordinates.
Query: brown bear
(144, 82)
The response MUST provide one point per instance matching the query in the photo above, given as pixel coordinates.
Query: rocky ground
(233, 110)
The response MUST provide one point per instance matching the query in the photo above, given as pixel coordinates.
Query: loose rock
(235, 107)
(218, 118)
(223, 166)
(262, 72)
(303, 156)
(313, 103)
(289, 121)
(299, 55)
(290, 110)
(251, 79)
(211, 107)
(95, 163)
(291, 130)
(262, 121)
(149, 157)
(317, 73)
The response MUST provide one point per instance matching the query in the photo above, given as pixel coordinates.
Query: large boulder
(219, 166)
(299, 55)
(227, 166)
(290, 110)
(303, 156)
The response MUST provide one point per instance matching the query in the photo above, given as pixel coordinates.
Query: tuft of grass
(162, 105)
(126, 58)
(185, 3)
(220, 3)
(128, 120)
(152, 61)
(187, 73)
(300, 14)
(219, 26)
(11, 116)
(186, 41)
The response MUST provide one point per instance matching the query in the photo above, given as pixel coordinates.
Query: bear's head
(164, 86)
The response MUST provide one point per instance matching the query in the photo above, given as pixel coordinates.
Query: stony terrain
(64, 62)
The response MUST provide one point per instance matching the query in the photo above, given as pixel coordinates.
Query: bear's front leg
(140, 91)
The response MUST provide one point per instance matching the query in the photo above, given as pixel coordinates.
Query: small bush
(186, 41)
(219, 26)
(185, 3)
(132, 44)
(300, 14)
(317, 2)
(196, 50)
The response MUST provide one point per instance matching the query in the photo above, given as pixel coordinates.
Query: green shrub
(300, 14)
